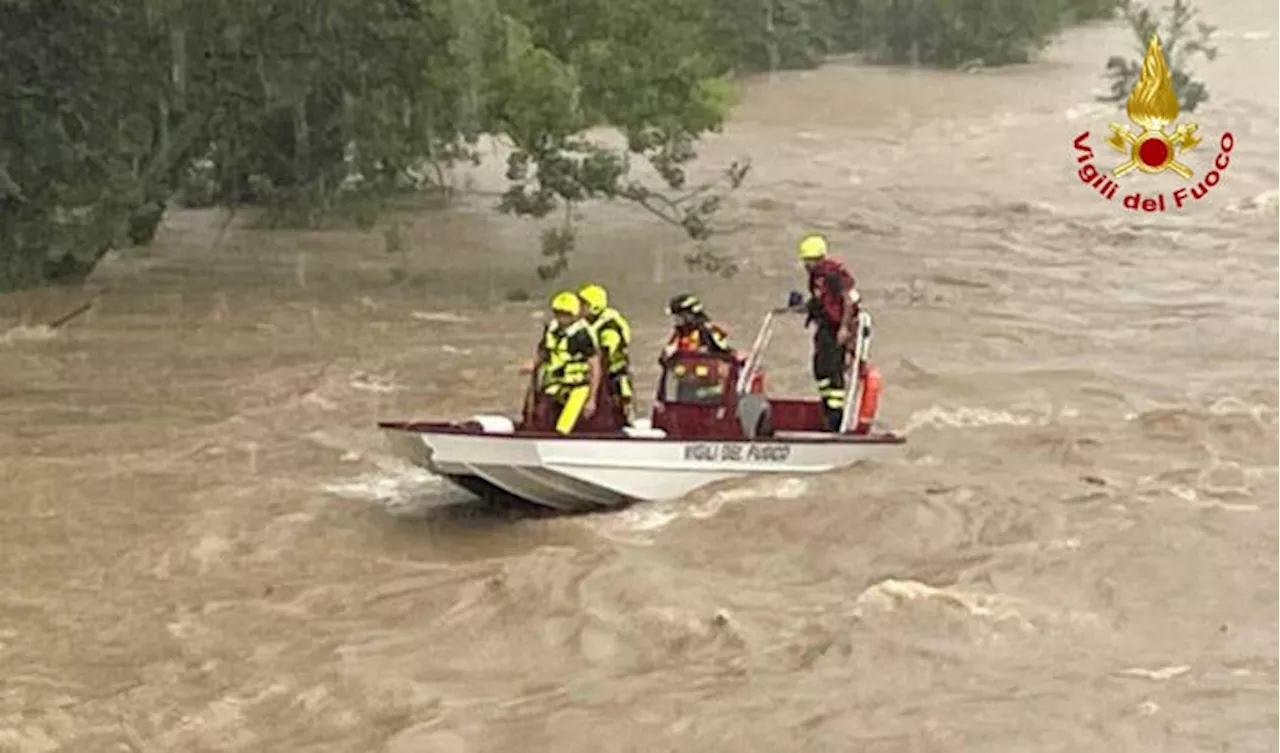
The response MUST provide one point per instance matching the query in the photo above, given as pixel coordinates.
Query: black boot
(831, 417)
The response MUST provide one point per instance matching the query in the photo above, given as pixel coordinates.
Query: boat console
(722, 396)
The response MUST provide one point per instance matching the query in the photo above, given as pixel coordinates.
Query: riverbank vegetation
(115, 110)
(1182, 38)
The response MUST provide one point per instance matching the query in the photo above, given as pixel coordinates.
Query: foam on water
(1164, 673)
(25, 333)
(374, 383)
(893, 600)
(940, 416)
(444, 317)
(636, 523)
(397, 487)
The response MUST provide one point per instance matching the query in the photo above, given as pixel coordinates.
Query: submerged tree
(1180, 43)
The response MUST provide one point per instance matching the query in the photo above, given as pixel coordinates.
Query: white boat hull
(569, 473)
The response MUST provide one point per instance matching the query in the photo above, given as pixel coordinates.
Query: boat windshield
(697, 381)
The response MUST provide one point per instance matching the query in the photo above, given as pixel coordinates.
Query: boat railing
(854, 381)
(758, 348)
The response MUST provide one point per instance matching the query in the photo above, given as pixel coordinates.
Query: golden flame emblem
(1153, 105)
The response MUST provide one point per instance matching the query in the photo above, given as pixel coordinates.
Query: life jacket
(614, 335)
(830, 285)
(704, 338)
(566, 351)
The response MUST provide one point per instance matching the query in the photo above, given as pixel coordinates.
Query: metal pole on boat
(760, 345)
(853, 392)
(757, 351)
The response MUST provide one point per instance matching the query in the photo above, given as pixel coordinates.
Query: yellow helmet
(813, 247)
(566, 303)
(596, 298)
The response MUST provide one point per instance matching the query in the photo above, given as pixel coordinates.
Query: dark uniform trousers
(829, 372)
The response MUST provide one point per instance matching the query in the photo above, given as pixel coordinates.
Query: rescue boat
(711, 421)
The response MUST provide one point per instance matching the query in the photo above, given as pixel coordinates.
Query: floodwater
(204, 545)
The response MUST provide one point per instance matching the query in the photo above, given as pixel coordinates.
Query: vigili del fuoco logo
(1152, 106)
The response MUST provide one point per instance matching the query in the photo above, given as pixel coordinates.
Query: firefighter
(568, 368)
(694, 332)
(613, 333)
(832, 307)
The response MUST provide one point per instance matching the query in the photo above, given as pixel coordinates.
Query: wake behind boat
(710, 422)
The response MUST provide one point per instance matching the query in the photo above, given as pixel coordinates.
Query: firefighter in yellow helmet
(568, 365)
(832, 307)
(614, 335)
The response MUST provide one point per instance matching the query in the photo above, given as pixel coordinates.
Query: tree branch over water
(310, 108)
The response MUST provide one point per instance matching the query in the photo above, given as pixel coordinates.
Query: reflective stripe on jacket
(706, 338)
(613, 333)
(566, 352)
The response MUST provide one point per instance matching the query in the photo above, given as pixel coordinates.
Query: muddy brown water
(204, 546)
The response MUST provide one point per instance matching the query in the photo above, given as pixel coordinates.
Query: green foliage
(337, 97)
(770, 35)
(638, 66)
(78, 164)
(313, 108)
(773, 34)
(1090, 10)
(1179, 43)
(951, 33)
